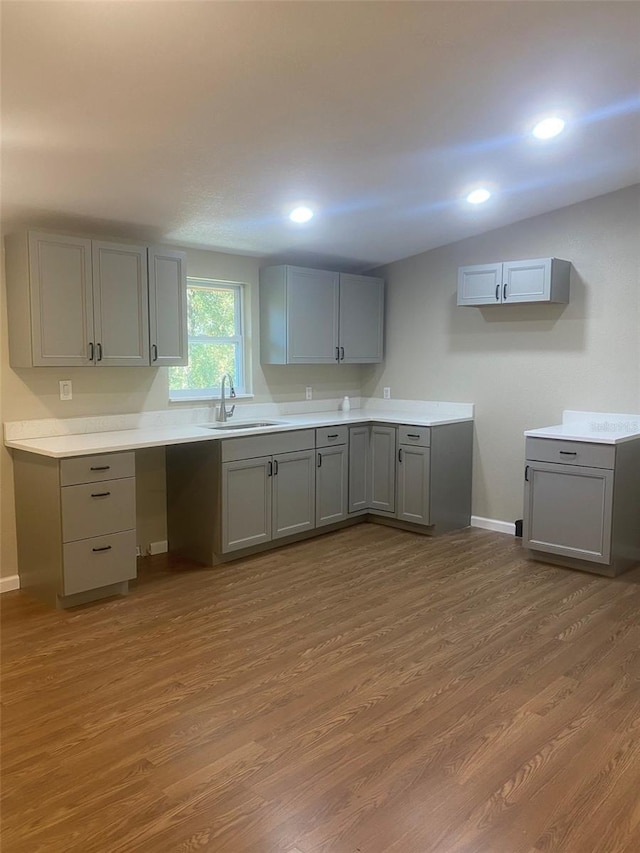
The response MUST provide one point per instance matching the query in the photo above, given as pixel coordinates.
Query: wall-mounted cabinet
(537, 280)
(74, 302)
(319, 317)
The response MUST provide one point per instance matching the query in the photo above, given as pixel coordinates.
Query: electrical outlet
(308, 393)
(386, 393)
(66, 391)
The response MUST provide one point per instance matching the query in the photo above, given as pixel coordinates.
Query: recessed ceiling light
(478, 196)
(301, 214)
(548, 128)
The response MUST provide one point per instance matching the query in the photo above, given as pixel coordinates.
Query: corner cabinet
(74, 302)
(418, 476)
(312, 316)
(537, 280)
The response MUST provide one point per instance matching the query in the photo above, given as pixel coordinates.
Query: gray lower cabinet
(331, 484)
(383, 469)
(581, 503)
(267, 498)
(246, 503)
(425, 482)
(76, 525)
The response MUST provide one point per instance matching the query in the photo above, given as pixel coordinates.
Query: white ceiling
(203, 123)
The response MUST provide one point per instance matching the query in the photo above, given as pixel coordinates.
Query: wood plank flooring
(369, 691)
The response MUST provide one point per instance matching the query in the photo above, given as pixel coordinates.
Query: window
(214, 326)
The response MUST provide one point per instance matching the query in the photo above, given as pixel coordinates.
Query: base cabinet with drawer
(76, 526)
(416, 475)
(239, 493)
(582, 504)
(332, 472)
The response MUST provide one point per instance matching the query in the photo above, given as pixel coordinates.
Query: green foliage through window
(214, 323)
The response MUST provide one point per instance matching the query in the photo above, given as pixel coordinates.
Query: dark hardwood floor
(369, 691)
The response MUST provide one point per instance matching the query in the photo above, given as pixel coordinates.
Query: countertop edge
(144, 438)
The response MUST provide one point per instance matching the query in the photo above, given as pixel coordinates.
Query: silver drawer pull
(568, 452)
(100, 494)
(100, 467)
(104, 548)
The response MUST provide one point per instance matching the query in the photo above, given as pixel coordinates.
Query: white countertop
(592, 427)
(110, 441)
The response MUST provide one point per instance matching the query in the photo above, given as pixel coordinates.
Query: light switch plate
(386, 393)
(66, 390)
(308, 393)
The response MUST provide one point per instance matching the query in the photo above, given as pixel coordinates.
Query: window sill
(210, 398)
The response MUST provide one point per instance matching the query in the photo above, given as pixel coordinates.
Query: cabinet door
(246, 503)
(526, 281)
(61, 300)
(480, 284)
(293, 493)
(414, 483)
(359, 468)
(567, 510)
(167, 307)
(361, 319)
(121, 305)
(383, 468)
(312, 316)
(331, 484)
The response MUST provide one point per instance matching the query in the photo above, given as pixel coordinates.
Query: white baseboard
(158, 547)
(493, 524)
(9, 583)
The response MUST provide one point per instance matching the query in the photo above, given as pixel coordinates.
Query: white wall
(521, 365)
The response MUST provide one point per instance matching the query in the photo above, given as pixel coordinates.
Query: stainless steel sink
(244, 425)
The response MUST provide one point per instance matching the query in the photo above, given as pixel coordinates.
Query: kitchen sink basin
(243, 425)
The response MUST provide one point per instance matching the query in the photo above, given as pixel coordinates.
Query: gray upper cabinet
(536, 280)
(121, 307)
(319, 317)
(77, 302)
(361, 319)
(49, 300)
(167, 307)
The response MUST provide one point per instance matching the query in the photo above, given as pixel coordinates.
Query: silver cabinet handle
(100, 494)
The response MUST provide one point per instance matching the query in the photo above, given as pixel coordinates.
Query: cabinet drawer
(90, 469)
(94, 509)
(571, 452)
(101, 561)
(234, 449)
(420, 436)
(328, 436)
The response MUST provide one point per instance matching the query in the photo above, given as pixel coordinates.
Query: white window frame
(214, 393)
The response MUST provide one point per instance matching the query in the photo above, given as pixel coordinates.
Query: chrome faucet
(223, 413)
